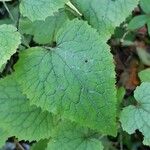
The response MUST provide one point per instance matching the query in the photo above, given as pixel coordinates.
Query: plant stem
(18, 145)
(124, 36)
(10, 15)
(121, 140)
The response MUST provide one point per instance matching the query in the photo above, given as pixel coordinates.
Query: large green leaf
(105, 15)
(70, 136)
(76, 78)
(18, 117)
(40, 9)
(9, 42)
(138, 117)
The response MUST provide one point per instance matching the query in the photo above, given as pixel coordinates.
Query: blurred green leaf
(137, 22)
(145, 75)
(145, 5)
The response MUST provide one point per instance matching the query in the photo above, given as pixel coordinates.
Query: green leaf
(105, 15)
(44, 31)
(145, 6)
(9, 42)
(40, 9)
(137, 22)
(76, 78)
(41, 145)
(145, 75)
(18, 117)
(72, 137)
(138, 117)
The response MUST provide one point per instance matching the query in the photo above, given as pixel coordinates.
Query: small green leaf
(137, 22)
(138, 117)
(145, 6)
(76, 78)
(40, 9)
(18, 117)
(145, 75)
(9, 42)
(69, 136)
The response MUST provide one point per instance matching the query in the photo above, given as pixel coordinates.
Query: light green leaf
(137, 22)
(40, 9)
(145, 5)
(76, 78)
(138, 117)
(9, 42)
(18, 117)
(105, 15)
(145, 75)
(41, 145)
(72, 137)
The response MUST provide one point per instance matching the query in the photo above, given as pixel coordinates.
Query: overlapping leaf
(44, 31)
(18, 117)
(138, 117)
(105, 15)
(9, 42)
(70, 136)
(40, 9)
(76, 78)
